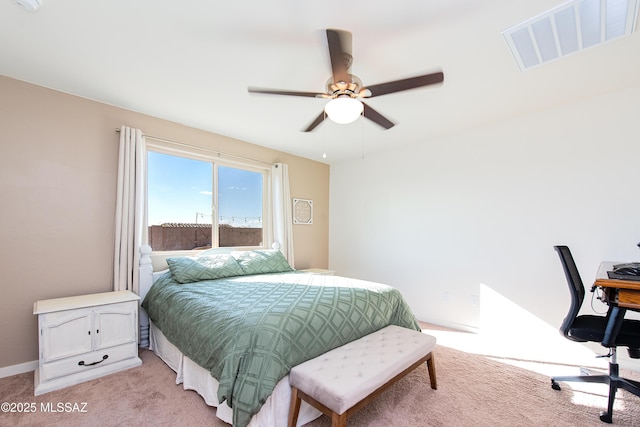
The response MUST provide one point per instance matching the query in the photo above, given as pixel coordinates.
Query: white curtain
(130, 230)
(282, 215)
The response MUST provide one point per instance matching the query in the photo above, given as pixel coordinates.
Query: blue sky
(180, 190)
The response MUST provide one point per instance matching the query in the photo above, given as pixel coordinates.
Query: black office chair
(597, 329)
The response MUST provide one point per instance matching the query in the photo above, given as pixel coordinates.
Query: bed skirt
(274, 412)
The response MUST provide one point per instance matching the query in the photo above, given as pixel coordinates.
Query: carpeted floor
(473, 391)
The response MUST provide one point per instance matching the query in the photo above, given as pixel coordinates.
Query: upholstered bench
(343, 380)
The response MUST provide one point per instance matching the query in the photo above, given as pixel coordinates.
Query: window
(195, 202)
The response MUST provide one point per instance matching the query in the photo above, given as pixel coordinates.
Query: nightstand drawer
(88, 361)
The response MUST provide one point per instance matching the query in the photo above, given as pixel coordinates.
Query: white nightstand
(319, 271)
(85, 337)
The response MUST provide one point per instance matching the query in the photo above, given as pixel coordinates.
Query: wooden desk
(624, 293)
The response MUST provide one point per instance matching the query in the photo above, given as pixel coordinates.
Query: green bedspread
(249, 331)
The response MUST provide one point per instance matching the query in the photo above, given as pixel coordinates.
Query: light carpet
(473, 390)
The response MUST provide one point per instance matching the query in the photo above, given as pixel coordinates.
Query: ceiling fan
(345, 90)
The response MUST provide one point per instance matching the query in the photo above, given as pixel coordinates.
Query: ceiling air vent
(569, 28)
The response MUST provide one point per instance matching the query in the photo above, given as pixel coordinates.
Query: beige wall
(58, 165)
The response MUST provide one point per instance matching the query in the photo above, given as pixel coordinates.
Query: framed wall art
(302, 211)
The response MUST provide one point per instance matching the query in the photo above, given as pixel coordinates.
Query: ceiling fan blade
(316, 122)
(336, 40)
(376, 117)
(405, 84)
(285, 92)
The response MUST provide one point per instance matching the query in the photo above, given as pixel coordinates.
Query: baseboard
(450, 325)
(21, 368)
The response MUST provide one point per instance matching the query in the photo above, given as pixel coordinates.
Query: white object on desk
(85, 337)
(604, 267)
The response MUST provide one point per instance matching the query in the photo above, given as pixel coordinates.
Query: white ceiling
(191, 62)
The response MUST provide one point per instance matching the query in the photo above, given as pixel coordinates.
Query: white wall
(486, 206)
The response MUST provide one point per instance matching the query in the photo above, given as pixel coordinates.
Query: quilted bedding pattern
(249, 331)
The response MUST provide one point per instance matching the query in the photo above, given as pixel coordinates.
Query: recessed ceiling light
(30, 5)
(569, 28)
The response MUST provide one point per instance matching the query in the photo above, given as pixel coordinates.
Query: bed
(233, 324)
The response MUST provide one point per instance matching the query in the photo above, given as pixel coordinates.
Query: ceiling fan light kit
(344, 109)
(345, 90)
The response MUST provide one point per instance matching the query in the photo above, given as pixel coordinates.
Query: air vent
(570, 28)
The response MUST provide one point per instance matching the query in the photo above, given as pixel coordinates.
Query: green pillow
(194, 269)
(262, 261)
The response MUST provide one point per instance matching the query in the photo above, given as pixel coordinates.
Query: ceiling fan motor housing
(335, 89)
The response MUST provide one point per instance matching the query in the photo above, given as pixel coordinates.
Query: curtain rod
(182, 144)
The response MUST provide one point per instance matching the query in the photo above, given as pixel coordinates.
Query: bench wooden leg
(294, 410)
(338, 420)
(431, 365)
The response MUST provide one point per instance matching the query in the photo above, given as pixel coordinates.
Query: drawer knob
(105, 357)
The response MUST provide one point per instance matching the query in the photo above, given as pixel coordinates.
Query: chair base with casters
(611, 331)
(612, 379)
